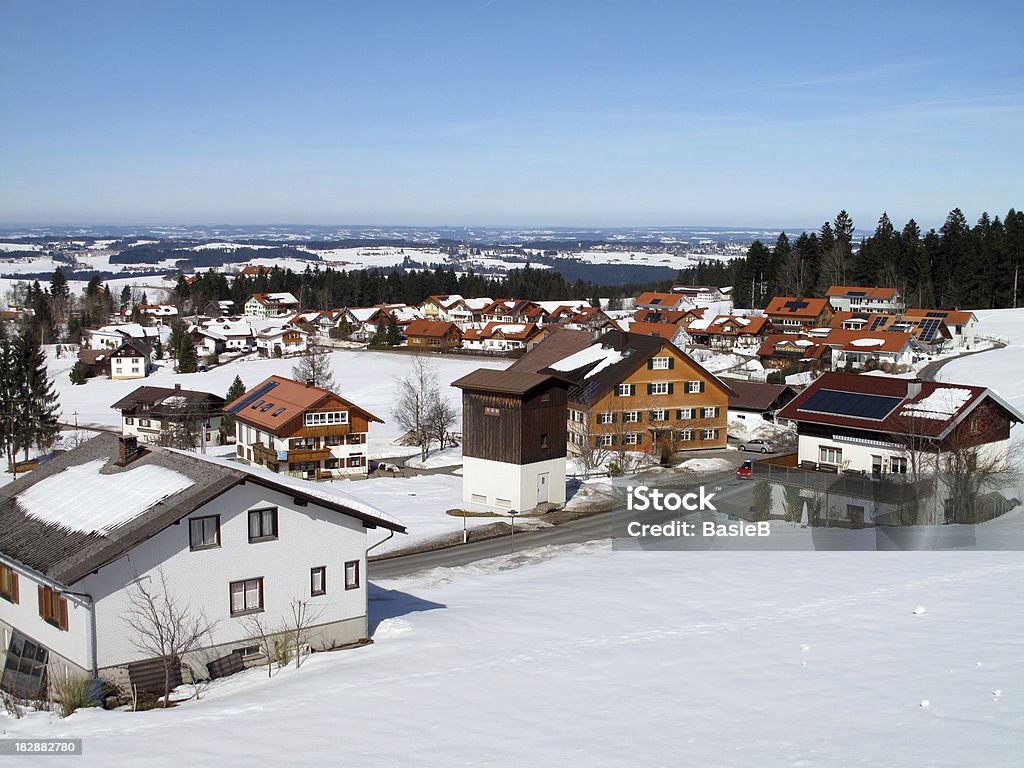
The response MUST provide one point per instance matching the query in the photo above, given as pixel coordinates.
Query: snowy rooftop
(595, 353)
(867, 343)
(940, 404)
(115, 498)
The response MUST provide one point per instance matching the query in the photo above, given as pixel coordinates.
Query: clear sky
(508, 112)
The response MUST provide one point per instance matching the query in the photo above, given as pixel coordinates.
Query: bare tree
(183, 422)
(258, 633)
(590, 455)
(314, 367)
(164, 627)
(416, 403)
(443, 417)
(304, 616)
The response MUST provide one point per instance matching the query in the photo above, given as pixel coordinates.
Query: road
(928, 372)
(598, 526)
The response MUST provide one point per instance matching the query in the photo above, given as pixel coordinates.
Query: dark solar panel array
(929, 328)
(245, 401)
(878, 323)
(856, 293)
(856, 404)
(796, 305)
(935, 314)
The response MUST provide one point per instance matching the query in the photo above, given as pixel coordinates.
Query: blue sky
(508, 113)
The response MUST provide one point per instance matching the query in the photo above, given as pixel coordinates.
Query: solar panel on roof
(929, 328)
(245, 402)
(935, 314)
(856, 404)
(879, 321)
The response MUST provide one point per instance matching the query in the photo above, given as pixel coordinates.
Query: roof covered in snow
(82, 510)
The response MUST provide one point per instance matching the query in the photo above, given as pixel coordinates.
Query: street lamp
(512, 513)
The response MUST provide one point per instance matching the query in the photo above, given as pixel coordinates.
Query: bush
(282, 652)
(71, 692)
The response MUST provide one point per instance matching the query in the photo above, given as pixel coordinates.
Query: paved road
(597, 526)
(929, 371)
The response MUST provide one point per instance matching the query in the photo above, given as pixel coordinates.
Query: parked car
(745, 469)
(764, 446)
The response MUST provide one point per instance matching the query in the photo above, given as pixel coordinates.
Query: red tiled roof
(951, 316)
(288, 399)
(791, 306)
(430, 329)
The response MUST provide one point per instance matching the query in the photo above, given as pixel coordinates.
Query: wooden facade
(647, 422)
(515, 428)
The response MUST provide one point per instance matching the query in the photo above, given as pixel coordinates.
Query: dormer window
(324, 418)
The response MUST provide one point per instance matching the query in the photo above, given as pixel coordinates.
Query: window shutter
(615, 417)
(650, 388)
(671, 387)
(650, 363)
(632, 389)
(671, 363)
(62, 619)
(702, 385)
(614, 438)
(14, 587)
(718, 411)
(42, 602)
(679, 414)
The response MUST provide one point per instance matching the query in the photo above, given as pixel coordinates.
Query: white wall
(309, 537)
(73, 644)
(496, 483)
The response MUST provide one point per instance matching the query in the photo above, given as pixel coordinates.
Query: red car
(744, 469)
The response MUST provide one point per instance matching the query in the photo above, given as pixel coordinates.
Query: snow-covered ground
(579, 655)
(368, 379)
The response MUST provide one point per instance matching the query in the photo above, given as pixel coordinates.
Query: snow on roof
(509, 328)
(284, 298)
(595, 353)
(363, 314)
(700, 324)
(112, 499)
(804, 343)
(940, 404)
(551, 306)
(477, 304)
(867, 343)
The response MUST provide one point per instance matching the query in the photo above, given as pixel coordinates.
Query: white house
(962, 324)
(79, 535)
(149, 412)
(854, 298)
(111, 336)
(270, 304)
(286, 340)
(132, 359)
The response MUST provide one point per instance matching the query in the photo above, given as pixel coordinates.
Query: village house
(132, 359)
(112, 336)
(632, 392)
(921, 437)
(701, 295)
(217, 308)
(670, 316)
(931, 337)
(671, 302)
(300, 429)
(789, 315)
(440, 306)
(859, 349)
(753, 400)
(270, 305)
(503, 337)
(433, 335)
(281, 341)
(675, 333)
(223, 334)
(509, 311)
(849, 298)
(157, 314)
(962, 324)
(229, 541)
(782, 350)
(728, 332)
(172, 416)
(319, 322)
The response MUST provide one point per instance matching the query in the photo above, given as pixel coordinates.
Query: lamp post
(465, 532)
(512, 513)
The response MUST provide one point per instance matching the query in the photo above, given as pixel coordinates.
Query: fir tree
(187, 359)
(35, 403)
(393, 337)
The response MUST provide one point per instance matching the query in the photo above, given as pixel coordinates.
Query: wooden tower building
(513, 439)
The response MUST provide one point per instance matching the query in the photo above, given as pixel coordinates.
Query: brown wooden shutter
(42, 602)
(671, 363)
(671, 387)
(650, 388)
(62, 611)
(14, 587)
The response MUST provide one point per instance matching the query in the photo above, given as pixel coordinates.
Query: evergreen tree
(380, 336)
(35, 402)
(187, 358)
(235, 391)
(79, 373)
(393, 337)
(158, 349)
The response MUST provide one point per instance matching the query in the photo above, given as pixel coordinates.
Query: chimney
(177, 387)
(127, 449)
(913, 388)
(309, 382)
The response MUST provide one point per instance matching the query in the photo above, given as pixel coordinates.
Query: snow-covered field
(581, 656)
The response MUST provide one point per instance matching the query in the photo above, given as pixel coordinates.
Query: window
(709, 413)
(684, 435)
(827, 455)
(684, 413)
(631, 417)
(631, 438)
(544, 440)
(323, 418)
(490, 410)
(8, 584)
(318, 581)
(576, 416)
(129, 420)
(606, 418)
(262, 524)
(246, 596)
(709, 434)
(898, 465)
(352, 574)
(144, 422)
(659, 414)
(606, 440)
(694, 387)
(661, 363)
(257, 404)
(624, 390)
(204, 532)
(659, 388)
(53, 608)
